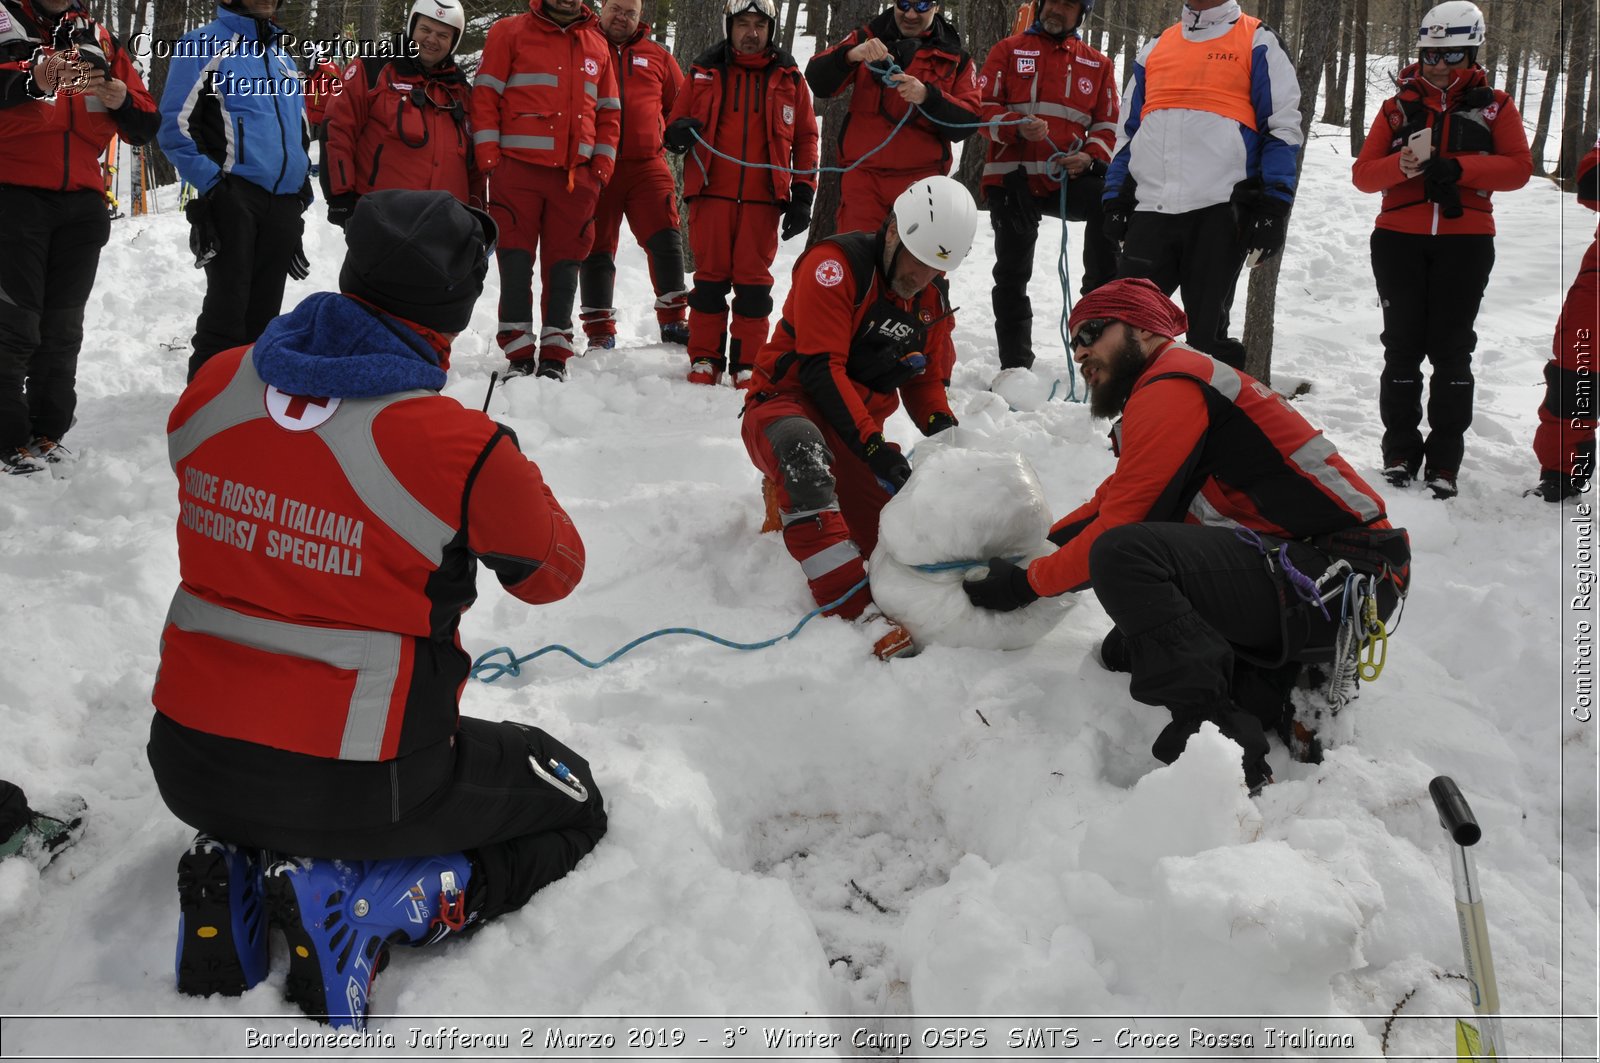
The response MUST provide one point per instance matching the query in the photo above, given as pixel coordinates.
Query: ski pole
(1483, 1041)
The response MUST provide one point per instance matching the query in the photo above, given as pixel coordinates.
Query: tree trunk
(831, 115)
(1330, 74)
(1547, 98)
(1580, 52)
(1358, 96)
(791, 17)
(171, 19)
(1333, 108)
(368, 22)
(1261, 306)
(1514, 50)
(985, 25)
(818, 14)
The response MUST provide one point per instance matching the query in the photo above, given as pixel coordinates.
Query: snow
(805, 831)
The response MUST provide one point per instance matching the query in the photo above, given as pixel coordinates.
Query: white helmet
(937, 221)
(1454, 24)
(447, 11)
(740, 7)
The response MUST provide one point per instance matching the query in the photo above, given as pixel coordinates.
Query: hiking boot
(20, 461)
(601, 343)
(743, 377)
(222, 919)
(520, 367)
(675, 332)
(705, 371)
(890, 639)
(1400, 472)
(1442, 483)
(50, 452)
(550, 369)
(340, 918)
(45, 835)
(1557, 486)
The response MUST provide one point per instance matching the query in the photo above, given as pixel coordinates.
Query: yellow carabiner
(1375, 645)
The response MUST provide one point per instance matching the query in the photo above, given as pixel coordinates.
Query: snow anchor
(1481, 1041)
(486, 670)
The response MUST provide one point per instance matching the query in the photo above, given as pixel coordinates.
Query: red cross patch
(299, 413)
(830, 274)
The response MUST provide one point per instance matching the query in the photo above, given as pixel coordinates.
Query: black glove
(938, 422)
(887, 463)
(797, 215)
(299, 265)
(1001, 586)
(1439, 177)
(340, 206)
(1116, 213)
(307, 197)
(1020, 210)
(680, 135)
(1263, 219)
(203, 240)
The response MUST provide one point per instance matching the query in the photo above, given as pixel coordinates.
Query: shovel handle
(1455, 815)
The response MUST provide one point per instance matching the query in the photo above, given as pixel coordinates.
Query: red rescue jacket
(1065, 82)
(841, 327)
(322, 87)
(396, 125)
(327, 549)
(547, 94)
(1202, 443)
(1474, 124)
(648, 80)
(938, 60)
(777, 99)
(56, 143)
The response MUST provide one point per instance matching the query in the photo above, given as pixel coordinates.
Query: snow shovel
(1483, 1040)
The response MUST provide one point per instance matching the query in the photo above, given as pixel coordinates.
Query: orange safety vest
(1209, 75)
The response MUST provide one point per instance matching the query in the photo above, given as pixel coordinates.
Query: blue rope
(486, 671)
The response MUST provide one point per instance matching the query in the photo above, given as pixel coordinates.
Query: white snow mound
(962, 505)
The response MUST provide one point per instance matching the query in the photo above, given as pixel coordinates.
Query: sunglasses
(1089, 332)
(1435, 56)
(921, 7)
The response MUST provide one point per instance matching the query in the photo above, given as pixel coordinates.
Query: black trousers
(520, 830)
(258, 234)
(1200, 252)
(1013, 260)
(1431, 288)
(14, 811)
(47, 270)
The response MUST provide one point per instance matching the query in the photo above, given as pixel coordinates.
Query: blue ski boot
(340, 918)
(222, 924)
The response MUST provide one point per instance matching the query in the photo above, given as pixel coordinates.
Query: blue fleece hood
(331, 346)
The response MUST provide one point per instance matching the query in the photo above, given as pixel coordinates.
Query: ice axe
(1483, 1040)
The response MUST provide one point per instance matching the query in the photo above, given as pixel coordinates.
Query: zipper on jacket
(372, 178)
(283, 139)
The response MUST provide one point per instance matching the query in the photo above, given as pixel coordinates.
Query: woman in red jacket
(1438, 148)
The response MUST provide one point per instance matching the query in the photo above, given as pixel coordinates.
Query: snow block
(962, 505)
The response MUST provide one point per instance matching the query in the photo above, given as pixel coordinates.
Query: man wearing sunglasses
(1044, 91)
(1203, 451)
(1205, 166)
(402, 122)
(937, 79)
(1436, 151)
(334, 511)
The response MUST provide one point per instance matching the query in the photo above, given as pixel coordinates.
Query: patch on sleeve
(830, 274)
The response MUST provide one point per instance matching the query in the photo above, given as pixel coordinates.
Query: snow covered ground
(804, 831)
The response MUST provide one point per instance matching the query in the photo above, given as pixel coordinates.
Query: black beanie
(419, 255)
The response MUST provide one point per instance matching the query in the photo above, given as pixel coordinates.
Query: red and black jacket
(396, 124)
(1202, 443)
(1477, 126)
(648, 80)
(56, 143)
(937, 60)
(847, 344)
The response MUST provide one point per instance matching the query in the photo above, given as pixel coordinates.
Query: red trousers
(642, 191)
(734, 244)
(539, 216)
(832, 528)
(866, 198)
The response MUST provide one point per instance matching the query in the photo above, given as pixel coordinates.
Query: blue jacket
(233, 105)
